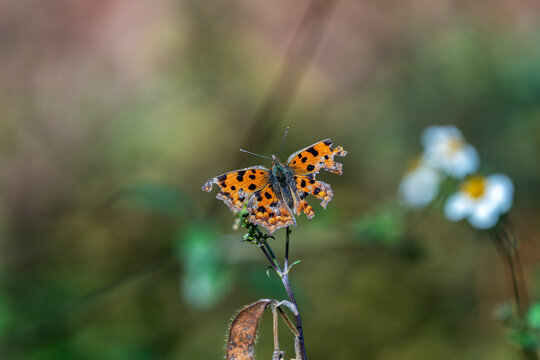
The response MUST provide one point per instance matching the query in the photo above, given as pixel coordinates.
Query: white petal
(484, 217)
(419, 187)
(465, 161)
(434, 135)
(457, 207)
(500, 191)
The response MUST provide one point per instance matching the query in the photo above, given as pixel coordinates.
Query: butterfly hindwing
(315, 157)
(266, 209)
(307, 184)
(237, 186)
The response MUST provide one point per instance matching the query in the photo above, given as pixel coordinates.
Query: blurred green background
(114, 112)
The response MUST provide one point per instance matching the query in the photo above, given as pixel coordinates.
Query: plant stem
(284, 274)
(511, 235)
(288, 289)
(507, 254)
(272, 260)
(506, 242)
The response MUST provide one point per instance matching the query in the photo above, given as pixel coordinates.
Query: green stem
(284, 275)
(507, 245)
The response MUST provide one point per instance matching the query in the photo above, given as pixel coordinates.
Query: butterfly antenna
(283, 140)
(249, 152)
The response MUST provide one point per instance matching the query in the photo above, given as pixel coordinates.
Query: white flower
(482, 200)
(419, 185)
(446, 149)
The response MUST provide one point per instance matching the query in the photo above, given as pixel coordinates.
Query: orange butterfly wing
(307, 184)
(308, 162)
(315, 157)
(264, 208)
(237, 186)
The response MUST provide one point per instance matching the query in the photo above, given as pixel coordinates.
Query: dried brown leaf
(244, 331)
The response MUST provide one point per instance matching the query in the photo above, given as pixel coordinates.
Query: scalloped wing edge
(225, 196)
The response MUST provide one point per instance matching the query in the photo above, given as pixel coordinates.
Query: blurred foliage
(383, 225)
(114, 113)
(205, 278)
(158, 199)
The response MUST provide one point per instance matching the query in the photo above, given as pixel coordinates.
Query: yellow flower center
(474, 186)
(454, 145)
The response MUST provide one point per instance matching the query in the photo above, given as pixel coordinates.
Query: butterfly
(272, 196)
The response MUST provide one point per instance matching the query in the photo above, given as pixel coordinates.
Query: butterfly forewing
(315, 157)
(237, 186)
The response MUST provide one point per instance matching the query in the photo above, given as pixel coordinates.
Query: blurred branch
(284, 87)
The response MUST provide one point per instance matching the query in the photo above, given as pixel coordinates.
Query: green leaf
(205, 279)
(295, 263)
(533, 316)
(524, 339)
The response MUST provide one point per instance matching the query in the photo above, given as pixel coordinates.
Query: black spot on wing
(253, 171)
(316, 191)
(261, 209)
(240, 175)
(233, 188)
(310, 167)
(312, 151)
(252, 187)
(303, 183)
(327, 142)
(304, 159)
(267, 195)
(221, 178)
(252, 177)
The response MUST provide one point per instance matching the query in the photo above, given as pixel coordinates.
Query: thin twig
(287, 249)
(283, 273)
(288, 322)
(509, 230)
(275, 326)
(503, 250)
(507, 245)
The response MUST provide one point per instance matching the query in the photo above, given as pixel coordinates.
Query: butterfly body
(282, 178)
(272, 196)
